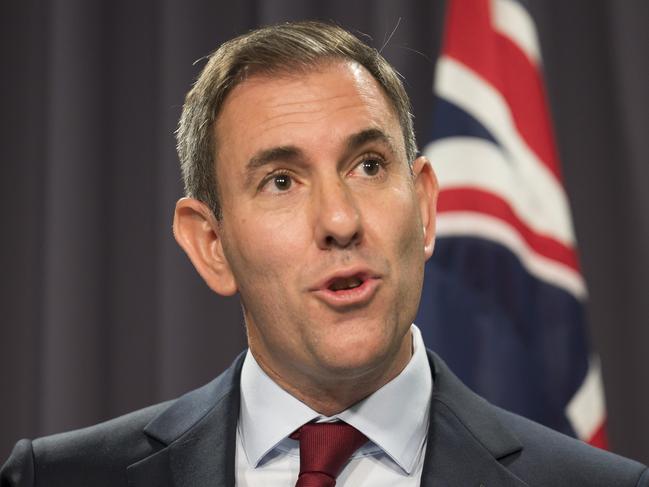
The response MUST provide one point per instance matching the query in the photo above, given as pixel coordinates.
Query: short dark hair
(282, 48)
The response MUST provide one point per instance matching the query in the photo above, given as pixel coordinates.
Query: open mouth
(345, 283)
(350, 288)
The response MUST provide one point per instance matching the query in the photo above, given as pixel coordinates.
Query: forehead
(307, 109)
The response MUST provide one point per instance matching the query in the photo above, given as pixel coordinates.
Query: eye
(282, 182)
(370, 167)
(277, 183)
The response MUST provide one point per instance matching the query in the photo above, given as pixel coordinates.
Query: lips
(351, 288)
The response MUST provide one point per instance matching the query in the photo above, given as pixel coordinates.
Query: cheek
(401, 236)
(409, 258)
(399, 221)
(265, 249)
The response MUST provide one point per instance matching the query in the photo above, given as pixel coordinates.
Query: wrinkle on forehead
(309, 107)
(306, 115)
(359, 90)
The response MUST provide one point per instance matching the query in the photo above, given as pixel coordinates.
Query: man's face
(325, 229)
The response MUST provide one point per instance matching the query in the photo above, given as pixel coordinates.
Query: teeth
(345, 283)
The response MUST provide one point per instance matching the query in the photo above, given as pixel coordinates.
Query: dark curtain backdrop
(102, 313)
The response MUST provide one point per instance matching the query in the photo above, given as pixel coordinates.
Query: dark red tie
(324, 450)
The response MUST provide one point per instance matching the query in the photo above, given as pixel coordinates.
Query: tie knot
(324, 450)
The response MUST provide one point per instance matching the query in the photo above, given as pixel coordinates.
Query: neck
(332, 393)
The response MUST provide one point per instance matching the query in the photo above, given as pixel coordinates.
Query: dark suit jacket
(190, 442)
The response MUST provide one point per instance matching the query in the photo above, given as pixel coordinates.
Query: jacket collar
(198, 434)
(466, 438)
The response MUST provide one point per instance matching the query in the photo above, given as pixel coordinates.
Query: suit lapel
(198, 438)
(466, 441)
(206, 456)
(152, 470)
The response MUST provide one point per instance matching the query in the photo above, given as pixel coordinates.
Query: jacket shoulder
(532, 453)
(97, 455)
(552, 458)
(101, 455)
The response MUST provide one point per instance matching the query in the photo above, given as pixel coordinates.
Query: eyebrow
(366, 136)
(274, 154)
(268, 156)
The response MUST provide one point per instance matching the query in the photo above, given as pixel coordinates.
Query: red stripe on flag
(472, 41)
(479, 201)
(599, 438)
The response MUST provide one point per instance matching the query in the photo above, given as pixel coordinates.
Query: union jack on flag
(503, 295)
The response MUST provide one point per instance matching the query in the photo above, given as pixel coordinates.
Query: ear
(199, 234)
(427, 190)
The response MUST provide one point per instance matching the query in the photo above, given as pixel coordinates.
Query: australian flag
(503, 295)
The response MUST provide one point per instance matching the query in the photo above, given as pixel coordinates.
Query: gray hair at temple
(282, 48)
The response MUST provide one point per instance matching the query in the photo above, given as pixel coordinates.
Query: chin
(359, 355)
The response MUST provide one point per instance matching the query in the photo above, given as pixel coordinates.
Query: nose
(338, 221)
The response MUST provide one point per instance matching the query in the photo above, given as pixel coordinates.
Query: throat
(331, 392)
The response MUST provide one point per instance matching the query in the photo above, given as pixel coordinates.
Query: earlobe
(198, 233)
(427, 189)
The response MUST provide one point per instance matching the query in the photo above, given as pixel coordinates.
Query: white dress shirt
(394, 418)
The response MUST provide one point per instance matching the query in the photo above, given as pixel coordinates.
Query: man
(306, 197)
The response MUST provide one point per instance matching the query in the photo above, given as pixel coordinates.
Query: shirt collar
(269, 414)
